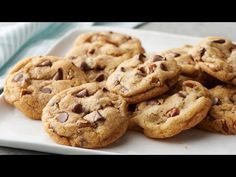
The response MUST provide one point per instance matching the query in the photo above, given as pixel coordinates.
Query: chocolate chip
(84, 66)
(104, 89)
(163, 67)
(98, 116)
(158, 58)
(116, 82)
(63, 117)
(18, 77)
(131, 107)
(172, 112)
(91, 51)
(25, 92)
(202, 52)
(78, 109)
(141, 57)
(100, 78)
(99, 68)
(46, 90)
(45, 63)
(219, 41)
(152, 68)
(122, 69)
(82, 93)
(181, 95)
(216, 101)
(83, 124)
(175, 54)
(58, 75)
(142, 71)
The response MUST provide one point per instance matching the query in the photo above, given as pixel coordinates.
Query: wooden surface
(192, 29)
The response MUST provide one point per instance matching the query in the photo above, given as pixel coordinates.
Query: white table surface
(198, 29)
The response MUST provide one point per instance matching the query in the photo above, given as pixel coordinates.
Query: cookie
(87, 116)
(217, 57)
(97, 68)
(143, 77)
(33, 82)
(169, 115)
(222, 115)
(183, 59)
(107, 43)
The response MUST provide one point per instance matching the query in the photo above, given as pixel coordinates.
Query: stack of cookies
(107, 84)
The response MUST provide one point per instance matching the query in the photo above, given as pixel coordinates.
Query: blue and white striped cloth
(27, 39)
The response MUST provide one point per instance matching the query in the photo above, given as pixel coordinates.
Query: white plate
(20, 132)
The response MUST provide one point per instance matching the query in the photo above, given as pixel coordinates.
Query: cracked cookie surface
(107, 43)
(99, 53)
(222, 115)
(33, 81)
(169, 115)
(143, 77)
(217, 57)
(87, 116)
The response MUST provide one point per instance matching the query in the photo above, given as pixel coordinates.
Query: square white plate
(20, 132)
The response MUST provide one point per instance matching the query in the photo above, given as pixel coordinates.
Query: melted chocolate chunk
(172, 112)
(131, 107)
(84, 66)
(63, 117)
(219, 41)
(78, 109)
(163, 67)
(158, 58)
(18, 77)
(58, 75)
(100, 78)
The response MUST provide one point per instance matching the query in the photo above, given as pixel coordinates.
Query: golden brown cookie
(107, 43)
(143, 77)
(33, 81)
(169, 115)
(217, 57)
(222, 115)
(87, 116)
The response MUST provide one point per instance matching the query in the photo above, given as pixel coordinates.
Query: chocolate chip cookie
(217, 57)
(183, 59)
(169, 115)
(222, 115)
(97, 68)
(87, 116)
(33, 82)
(107, 43)
(143, 77)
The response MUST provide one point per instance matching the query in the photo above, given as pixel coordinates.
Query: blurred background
(198, 29)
